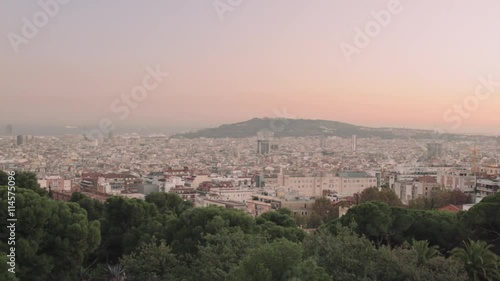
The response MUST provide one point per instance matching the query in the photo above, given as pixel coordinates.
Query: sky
(233, 60)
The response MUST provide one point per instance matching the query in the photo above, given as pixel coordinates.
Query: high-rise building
(434, 150)
(8, 130)
(354, 143)
(322, 142)
(263, 146)
(20, 139)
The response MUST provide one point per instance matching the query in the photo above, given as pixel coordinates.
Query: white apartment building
(344, 183)
(172, 182)
(198, 180)
(56, 183)
(462, 180)
(404, 191)
(420, 187)
(235, 195)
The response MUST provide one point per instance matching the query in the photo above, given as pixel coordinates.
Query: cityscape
(235, 140)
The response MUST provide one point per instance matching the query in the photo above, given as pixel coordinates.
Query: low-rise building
(463, 180)
(56, 183)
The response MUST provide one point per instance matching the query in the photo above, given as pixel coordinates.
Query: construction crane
(475, 153)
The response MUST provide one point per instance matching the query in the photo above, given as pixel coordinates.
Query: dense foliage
(166, 238)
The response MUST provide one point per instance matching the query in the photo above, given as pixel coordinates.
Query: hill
(302, 127)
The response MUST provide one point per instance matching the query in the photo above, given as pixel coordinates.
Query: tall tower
(264, 141)
(263, 146)
(322, 141)
(20, 140)
(434, 150)
(8, 130)
(354, 143)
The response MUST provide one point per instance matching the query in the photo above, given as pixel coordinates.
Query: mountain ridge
(287, 127)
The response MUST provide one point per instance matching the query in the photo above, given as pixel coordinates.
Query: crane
(475, 153)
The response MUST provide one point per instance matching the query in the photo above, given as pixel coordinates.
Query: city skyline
(253, 60)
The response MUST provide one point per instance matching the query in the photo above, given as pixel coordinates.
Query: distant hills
(282, 127)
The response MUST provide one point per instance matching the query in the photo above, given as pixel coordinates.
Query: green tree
(52, 237)
(153, 262)
(126, 223)
(346, 255)
(439, 199)
(93, 207)
(195, 223)
(385, 195)
(482, 221)
(324, 209)
(29, 180)
(222, 252)
(166, 202)
(280, 224)
(479, 261)
(4, 178)
(277, 260)
(442, 229)
(373, 219)
(424, 251)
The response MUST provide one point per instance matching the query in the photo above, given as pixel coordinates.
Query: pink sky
(264, 56)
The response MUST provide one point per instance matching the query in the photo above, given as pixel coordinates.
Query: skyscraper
(20, 140)
(263, 146)
(434, 150)
(354, 143)
(8, 130)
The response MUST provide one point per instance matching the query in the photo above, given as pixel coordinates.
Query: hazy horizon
(273, 59)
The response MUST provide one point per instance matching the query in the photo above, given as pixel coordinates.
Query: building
(344, 183)
(425, 186)
(263, 147)
(55, 183)
(205, 202)
(487, 185)
(232, 194)
(490, 170)
(404, 191)
(451, 208)
(261, 203)
(20, 140)
(111, 183)
(464, 180)
(8, 130)
(180, 172)
(355, 182)
(172, 182)
(434, 150)
(186, 193)
(354, 143)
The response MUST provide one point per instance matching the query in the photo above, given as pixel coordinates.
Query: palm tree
(424, 252)
(479, 261)
(115, 272)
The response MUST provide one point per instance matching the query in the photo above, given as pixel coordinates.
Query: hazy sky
(261, 58)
